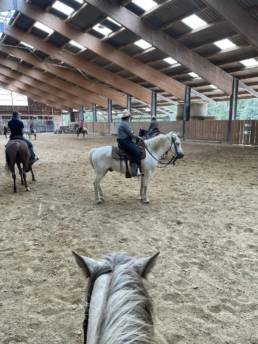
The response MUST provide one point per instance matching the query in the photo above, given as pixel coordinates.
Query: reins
(87, 308)
(171, 161)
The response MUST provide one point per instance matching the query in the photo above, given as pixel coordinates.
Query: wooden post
(129, 103)
(110, 118)
(153, 104)
(232, 108)
(187, 108)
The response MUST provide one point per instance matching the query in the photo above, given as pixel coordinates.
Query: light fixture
(102, 29)
(43, 27)
(249, 62)
(59, 6)
(76, 44)
(170, 61)
(146, 5)
(194, 22)
(225, 44)
(142, 44)
(214, 87)
(27, 45)
(194, 75)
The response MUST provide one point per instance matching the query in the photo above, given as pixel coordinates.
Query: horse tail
(90, 157)
(7, 164)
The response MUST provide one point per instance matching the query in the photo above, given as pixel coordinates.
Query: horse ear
(87, 264)
(144, 265)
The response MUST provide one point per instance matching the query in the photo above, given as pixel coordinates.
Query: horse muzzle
(180, 155)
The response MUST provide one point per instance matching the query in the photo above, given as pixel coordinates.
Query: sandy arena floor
(203, 218)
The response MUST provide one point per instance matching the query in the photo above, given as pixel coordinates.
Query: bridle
(172, 160)
(89, 294)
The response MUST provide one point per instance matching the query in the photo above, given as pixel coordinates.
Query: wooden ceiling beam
(33, 94)
(166, 43)
(89, 68)
(67, 89)
(105, 50)
(68, 75)
(52, 93)
(239, 18)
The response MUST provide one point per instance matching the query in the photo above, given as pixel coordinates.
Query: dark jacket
(16, 127)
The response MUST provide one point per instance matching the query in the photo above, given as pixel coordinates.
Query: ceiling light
(194, 22)
(27, 45)
(249, 62)
(225, 44)
(59, 6)
(76, 44)
(43, 27)
(113, 21)
(142, 44)
(146, 5)
(102, 29)
(194, 75)
(214, 87)
(170, 61)
(80, 1)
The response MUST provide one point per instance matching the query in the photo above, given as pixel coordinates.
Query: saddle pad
(120, 154)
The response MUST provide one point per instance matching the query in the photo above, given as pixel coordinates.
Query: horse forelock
(128, 311)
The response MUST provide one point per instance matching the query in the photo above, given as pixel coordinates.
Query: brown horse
(17, 152)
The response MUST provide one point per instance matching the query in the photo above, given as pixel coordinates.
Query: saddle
(122, 155)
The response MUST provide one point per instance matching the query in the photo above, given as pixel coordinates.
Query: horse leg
(25, 180)
(146, 179)
(12, 169)
(141, 188)
(21, 173)
(99, 196)
(32, 174)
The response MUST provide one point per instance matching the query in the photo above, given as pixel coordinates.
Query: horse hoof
(99, 201)
(28, 189)
(145, 201)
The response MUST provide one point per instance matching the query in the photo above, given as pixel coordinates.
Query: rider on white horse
(125, 141)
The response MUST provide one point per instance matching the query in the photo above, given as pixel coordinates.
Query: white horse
(102, 161)
(118, 308)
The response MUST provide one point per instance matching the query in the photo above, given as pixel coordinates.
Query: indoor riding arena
(83, 69)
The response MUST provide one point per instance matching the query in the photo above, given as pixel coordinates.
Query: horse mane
(156, 142)
(128, 314)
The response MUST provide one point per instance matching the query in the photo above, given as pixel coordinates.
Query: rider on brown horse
(16, 127)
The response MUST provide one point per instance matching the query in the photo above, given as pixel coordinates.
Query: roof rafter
(89, 68)
(105, 50)
(167, 44)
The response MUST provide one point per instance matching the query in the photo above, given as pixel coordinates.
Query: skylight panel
(225, 44)
(114, 21)
(102, 29)
(194, 75)
(77, 45)
(194, 22)
(59, 6)
(170, 61)
(27, 45)
(146, 5)
(142, 44)
(43, 27)
(249, 62)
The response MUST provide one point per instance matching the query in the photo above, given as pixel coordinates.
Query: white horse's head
(176, 145)
(118, 307)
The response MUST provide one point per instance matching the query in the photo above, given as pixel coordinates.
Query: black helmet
(15, 114)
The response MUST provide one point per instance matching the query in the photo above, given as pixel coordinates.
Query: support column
(129, 103)
(154, 104)
(72, 115)
(187, 108)
(81, 114)
(110, 118)
(232, 108)
(94, 113)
